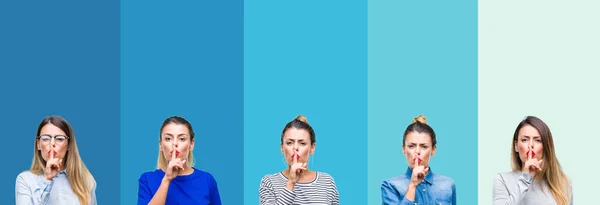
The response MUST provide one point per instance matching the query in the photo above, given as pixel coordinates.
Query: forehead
(417, 138)
(51, 129)
(294, 133)
(529, 130)
(175, 129)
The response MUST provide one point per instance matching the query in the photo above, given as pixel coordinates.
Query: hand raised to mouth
(175, 166)
(52, 165)
(296, 171)
(419, 172)
(532, 165)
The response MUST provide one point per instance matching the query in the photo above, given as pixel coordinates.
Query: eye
(524, 140)
(167, 139)
(411, 146)
(182, 139)
(303, 143)
(538, 140)
(424, 147)
(288, 143)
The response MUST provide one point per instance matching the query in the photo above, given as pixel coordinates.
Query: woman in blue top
(175, 181)
(419, 185)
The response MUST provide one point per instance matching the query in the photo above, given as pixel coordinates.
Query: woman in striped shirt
(297, 184)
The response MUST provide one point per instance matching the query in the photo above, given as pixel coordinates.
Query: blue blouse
(198, 188)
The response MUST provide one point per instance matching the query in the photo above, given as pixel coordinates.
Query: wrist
(166, 179)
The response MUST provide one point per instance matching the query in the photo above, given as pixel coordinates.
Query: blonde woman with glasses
(57, 174)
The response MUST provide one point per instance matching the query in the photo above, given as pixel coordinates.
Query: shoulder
(399, 181)
(269, 178)
(508, 176)
(151, 175)
(443, 179)
(325, 176)
(26, 176)
(203, 174)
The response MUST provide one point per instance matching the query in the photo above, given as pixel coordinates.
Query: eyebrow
(170, 135)
(295, 139)
(527, 136)
(412, 143)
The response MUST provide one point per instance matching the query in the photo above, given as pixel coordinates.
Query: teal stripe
(306, 58)
(423, 60)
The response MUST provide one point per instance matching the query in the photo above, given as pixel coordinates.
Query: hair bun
(302, 118)
(421, 119)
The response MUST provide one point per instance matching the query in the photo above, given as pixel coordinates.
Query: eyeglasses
(59, 139)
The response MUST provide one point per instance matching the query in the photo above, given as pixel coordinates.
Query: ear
(281, 146)
(516, 148)
(39, 146)
(312, 148)
(433, 151)
(160, 147)
(192, 145)
(403, 151)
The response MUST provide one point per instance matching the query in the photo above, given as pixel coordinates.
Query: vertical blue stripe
(423, 60)
(61, 58)
(183, 58)
(306, 58)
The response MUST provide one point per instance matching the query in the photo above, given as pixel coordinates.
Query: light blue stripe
(423, 60)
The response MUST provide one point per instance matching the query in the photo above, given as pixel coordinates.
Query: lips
(50, 152)
(419, 159)
(296, 156)
(176, 153)
(532, 153)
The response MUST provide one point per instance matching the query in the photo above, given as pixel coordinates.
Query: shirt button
(423, 189)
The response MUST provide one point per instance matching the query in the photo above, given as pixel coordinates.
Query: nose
(418, 150)
(531, 144)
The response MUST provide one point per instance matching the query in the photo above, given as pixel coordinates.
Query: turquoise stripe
(423, 60)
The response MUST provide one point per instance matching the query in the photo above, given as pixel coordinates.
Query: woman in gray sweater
(537, 177)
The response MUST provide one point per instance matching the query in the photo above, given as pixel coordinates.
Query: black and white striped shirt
(322, 190)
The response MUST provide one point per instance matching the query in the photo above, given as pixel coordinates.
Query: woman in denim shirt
(419, 185)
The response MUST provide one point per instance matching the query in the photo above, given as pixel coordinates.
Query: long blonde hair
(552, 173)
(79, 176)
(162, 160)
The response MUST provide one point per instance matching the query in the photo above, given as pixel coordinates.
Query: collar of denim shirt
(428, 177)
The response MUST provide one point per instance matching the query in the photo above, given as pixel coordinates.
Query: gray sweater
(512, 188)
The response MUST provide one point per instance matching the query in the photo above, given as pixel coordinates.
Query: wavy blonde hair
(552, 173)
(79, 176)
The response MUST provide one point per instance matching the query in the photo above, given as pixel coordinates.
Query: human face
(418, 146)
(52, 140)
(528, 141)
(296, 143)
(176, 139)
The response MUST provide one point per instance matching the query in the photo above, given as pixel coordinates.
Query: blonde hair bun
(421, 119)
(302, 118)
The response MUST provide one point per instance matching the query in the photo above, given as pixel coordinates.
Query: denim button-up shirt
(434, 189)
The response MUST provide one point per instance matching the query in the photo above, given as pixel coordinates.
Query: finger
(529, 154)
(51, 155)
(304, 165)
(426, 170)
(541, 164)
(173, 154)
(295, 157)
(416, 161)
